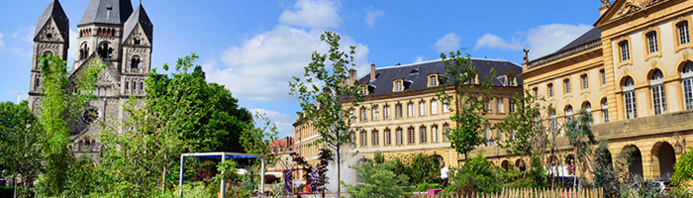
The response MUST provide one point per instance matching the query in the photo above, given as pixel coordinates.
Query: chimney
(352, 77)
(299, 115)
(372, 72)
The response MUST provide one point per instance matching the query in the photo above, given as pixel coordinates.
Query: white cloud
(494, 42)
(420, 59)
(547, 39)
(283, 122)
(317, 14)
(372, 15)
(449, 42)
(261, 67)
(2, 44)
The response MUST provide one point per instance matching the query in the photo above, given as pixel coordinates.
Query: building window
(411, 135)
(433, 80)
(487, 133)
(499, 105)
(386, 112)
(487, 106)
(625, 54)
(684, 37)
(388, 137)
(659, 99)
(398, 110)
(422, 108)
(363, 89)
(422, 134)
(398, 85)
(434, 133)
(364, 139)
(588, 108)
(446, 130)
(569, 113)
(687, 75)
(410, 109)
(652, 42)
(434, 106)
(363, 114)
(352, 115)
(566, 86)
(536, 93)
(603, 75)
(512, 105)
(135, 62)
(605, 110)
(374, 137)
(585, 82)
(446, 107)
(511, 80)
(630, 100)
(376, 113)
(550, 88)
(399, 137)
(554, 123)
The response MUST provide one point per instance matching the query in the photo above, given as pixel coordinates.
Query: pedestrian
(444, 175)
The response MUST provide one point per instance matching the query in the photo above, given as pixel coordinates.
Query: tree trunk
(163, 181)
(339, 171)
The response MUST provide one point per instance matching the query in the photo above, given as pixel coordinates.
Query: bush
(423, 187)
(379, 181)
(477, 175)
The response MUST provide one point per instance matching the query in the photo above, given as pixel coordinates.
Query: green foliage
(191, 190)
(378, 181)
(604, 175)
(228, 167)
(469, 111)
(320, 92)
(62, 102)
(257, 138)
(579, 133)
(400, 168)
(537, 175)
(425, 169)
(683, 174)
(21, 137)
(83, 178)
(477, 175)
(378, 157)
(523, 136)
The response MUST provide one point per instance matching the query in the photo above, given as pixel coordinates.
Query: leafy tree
(468, 99)
(62, 102)
(579, 133)
(21, 137)
(683, 174)
(523, 136)
(378, 181)
(325, 156)
(477, 175)
(425, 169)
(378, 157)
(604, 175)
(326, 86)
(256, 139)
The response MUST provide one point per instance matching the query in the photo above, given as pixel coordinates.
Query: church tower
(50, 37)
(137, 51)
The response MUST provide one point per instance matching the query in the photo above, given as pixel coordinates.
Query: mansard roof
(54, 10)
(588, 36)
(415, 75)
(106, 12)
(139, 16)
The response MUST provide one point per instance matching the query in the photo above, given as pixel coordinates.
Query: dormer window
(398, 85)
(432, 80)
(510, 80)
(363, 89)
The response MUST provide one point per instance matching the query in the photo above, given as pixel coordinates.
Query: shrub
(378, 181)
(477, 175)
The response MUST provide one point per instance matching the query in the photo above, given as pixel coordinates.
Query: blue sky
(254, 47)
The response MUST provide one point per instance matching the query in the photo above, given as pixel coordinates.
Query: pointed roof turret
(106, 12)
(139, 16)
(55, 11)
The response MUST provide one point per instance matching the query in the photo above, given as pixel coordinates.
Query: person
(444, 175)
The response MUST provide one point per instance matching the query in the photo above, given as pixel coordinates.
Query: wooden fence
(528, 193)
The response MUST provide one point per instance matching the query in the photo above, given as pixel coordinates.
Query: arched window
(587, 106)
(687, 75)
(605, 110)
(629, 97)
(105, 50)
(83, 51)
(568, 113)
(659, 98)
(135, 62)
(136, 41)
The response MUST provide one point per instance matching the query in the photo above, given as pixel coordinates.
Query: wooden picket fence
(528, 193)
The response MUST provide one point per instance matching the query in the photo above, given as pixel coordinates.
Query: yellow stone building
(401, 116)
(634, 73)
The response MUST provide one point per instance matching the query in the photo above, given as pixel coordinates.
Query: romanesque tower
(114, 34)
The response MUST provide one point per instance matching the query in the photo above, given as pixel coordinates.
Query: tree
(325, 156)
(257, 138)
(469, 111)
(21, 137)
(604, 175)
(579, 133)
(322, 92)
(683, 173)
(424, 169)
(523, 132)
(378, 181)
(62, 102)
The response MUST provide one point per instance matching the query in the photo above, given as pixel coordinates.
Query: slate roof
(54, 10)
(594, 33)
(416, 75)
(139, 16)
(106, 12)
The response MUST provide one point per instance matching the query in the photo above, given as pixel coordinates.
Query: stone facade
(636, 69)
(115, 35)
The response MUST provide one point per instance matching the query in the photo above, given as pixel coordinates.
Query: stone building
(401, 116)
(114, 34)
(633, 73)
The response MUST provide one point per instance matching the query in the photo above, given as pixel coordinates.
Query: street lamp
(678, 148)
